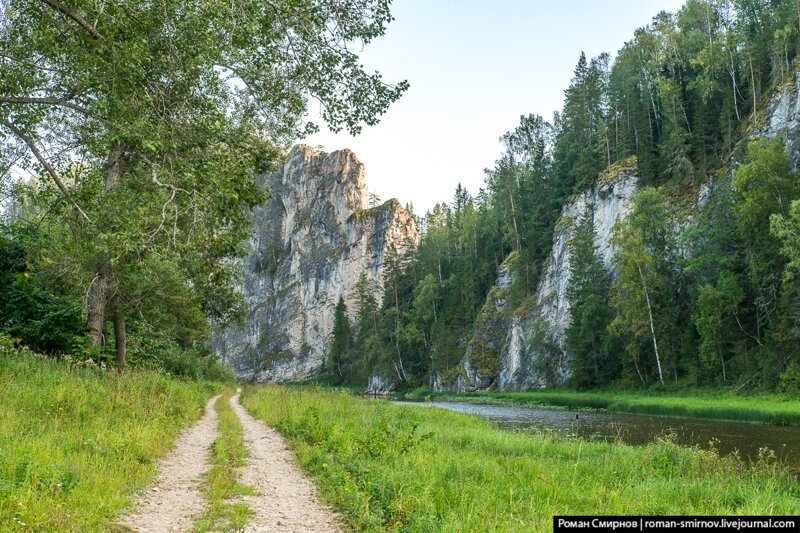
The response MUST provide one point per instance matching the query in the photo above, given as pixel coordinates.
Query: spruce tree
(342, 342)
(587, 294)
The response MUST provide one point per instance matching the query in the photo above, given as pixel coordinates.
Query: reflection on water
(641, 429)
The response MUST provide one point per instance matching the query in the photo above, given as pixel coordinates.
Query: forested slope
(646, 235)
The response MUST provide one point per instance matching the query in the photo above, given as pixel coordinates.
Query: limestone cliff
(782, 118)
(520, 336)
(310, 242)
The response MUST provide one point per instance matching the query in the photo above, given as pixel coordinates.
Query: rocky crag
(310, 242)
(508, 345)
(515, 338)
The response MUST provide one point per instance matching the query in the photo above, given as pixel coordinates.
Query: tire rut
(174, 500)
(286, 500)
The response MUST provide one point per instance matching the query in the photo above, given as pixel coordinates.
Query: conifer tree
(587, 295)
(342, 341)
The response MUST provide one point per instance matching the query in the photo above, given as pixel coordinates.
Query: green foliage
(717, 303)
(591, 362)
(31, 311)
(156, 119)
(640, 288)
(765, 186)
(715, 314)
(790, 380)
(582, 146)
(79, 442)
(787, 230)
(396, 467)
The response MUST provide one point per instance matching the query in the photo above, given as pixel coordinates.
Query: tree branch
(50, 170)
(64, 10)
(49, 101)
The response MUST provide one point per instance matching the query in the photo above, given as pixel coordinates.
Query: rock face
(783, 119)
(311, 241)
(478, 367)
(606, 203)
(524, 338)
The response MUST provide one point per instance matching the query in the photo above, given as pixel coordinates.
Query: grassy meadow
(396, 467)
(77, 442)
(695, 403)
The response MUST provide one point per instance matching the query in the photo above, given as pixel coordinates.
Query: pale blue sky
(474, 67)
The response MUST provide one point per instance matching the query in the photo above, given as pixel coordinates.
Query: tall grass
(77, 442)
(718, 405)
(410, 468)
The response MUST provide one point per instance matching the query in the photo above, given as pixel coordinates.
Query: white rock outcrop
(783, 119)
(529, 332)
(310, 243)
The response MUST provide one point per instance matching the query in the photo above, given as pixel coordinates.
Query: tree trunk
(517, 243)
(120, 337)
(641, 377)
(97, 301)
(652, 326)
(96, 304)
(752, 78)
(402, 371)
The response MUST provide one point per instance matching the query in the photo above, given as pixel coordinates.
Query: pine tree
(342, 342)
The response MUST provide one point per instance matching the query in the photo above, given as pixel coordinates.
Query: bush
(790, 380)
(38, 317)
(41, 319)
(196, 364)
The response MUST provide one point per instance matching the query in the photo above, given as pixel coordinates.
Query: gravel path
(172, 502)
(287, 500)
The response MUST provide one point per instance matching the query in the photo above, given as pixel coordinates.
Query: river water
(746, 438)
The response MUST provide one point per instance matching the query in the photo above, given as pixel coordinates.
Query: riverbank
(693, 403)
(388, 466)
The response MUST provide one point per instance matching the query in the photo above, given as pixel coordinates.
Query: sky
(474, 67)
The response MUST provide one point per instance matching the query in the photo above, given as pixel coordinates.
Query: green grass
(411, 468)
(76, 442)
(695, 403)
(221, 482)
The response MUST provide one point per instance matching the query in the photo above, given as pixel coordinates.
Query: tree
(787, 229)
(765, 187)
(637, 281)
(582, 146)
(41, 319)
(366, 306)
(365, 328)
(715, 317)
(342, 340)
(150, 120)
(587, 295)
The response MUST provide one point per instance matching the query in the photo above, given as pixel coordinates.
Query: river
(746, 438)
